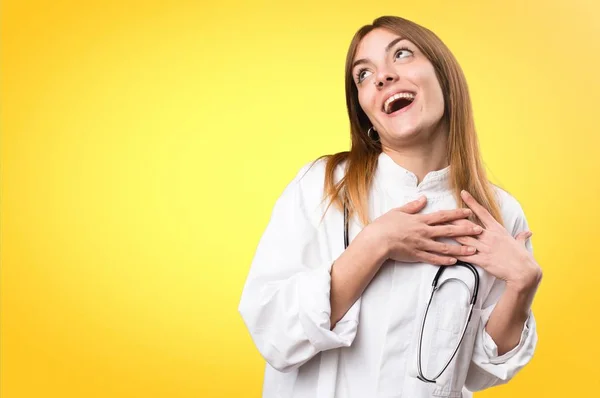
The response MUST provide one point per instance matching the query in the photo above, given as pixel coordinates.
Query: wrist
(374, 242)
(526, 281)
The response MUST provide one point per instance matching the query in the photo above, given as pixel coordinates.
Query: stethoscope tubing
(435, 286)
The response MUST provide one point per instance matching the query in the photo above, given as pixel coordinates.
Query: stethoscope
(435, 286)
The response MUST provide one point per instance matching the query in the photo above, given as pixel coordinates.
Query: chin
(405, 133)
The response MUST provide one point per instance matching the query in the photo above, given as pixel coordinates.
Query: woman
(336, 322)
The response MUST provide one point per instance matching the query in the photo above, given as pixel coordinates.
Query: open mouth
(398, 101)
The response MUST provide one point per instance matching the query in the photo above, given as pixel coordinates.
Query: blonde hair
(466, 169)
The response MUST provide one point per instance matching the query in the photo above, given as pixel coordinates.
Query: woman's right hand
(410, 237)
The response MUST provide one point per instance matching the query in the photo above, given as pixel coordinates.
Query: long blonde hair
(466, 169)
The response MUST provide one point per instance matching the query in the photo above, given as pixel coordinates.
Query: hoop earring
(370, 132)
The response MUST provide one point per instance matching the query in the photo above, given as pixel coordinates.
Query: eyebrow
(387, 49)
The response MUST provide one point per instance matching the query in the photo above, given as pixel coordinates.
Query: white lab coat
(371, 352)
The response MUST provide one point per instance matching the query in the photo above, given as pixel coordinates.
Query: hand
(410, 237)
(498, 252)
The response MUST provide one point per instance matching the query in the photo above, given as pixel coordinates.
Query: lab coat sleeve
(285, 301)
(487, 368)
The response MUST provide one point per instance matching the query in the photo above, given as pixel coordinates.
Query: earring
(370, 132)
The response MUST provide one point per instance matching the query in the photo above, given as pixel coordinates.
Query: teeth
(386, 104)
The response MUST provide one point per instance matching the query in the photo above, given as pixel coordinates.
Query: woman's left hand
(498, 252)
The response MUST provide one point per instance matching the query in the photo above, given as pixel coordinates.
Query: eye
(403, 52)
(361, 75)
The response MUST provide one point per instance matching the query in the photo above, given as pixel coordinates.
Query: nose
(385, 77)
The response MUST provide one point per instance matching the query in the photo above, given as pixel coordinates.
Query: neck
(421, 158)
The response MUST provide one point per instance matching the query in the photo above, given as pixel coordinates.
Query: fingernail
(471, 249)
(451, 260)
(464, 193)
(466, 212)
(477, 229)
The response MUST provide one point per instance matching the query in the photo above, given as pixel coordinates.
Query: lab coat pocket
(442, 332)
(447, 337)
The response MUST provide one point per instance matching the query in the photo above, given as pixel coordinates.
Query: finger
(447, 249)
(476, 259)
(435, 259)
(480, 211)
(415, 206)
(445, 216)
(463, 221)
(469, 241)
(523, 236)
(437, 231)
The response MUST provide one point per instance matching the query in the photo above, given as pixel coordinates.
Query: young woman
(363, 321)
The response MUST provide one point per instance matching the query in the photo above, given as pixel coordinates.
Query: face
(397, 88)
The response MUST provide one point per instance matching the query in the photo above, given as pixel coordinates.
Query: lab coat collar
(394, 177)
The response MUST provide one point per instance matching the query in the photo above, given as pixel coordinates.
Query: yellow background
(144, 144)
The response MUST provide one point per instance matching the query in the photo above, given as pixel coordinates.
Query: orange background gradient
(144, 144)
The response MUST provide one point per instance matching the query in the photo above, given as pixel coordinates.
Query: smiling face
(397, 88)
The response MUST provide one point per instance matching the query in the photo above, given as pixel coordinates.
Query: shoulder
(311, 176)
(511, 211)
(308, 186)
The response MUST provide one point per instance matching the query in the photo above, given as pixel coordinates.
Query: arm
(506, 322)
(353, 271)
(491, 365)
(507, 335)
(285, 302)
